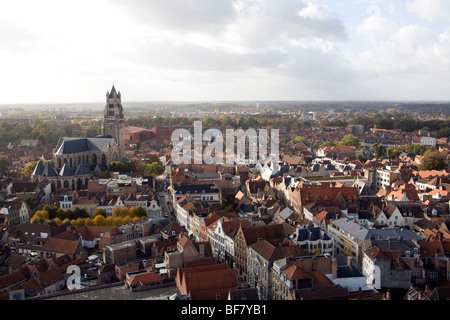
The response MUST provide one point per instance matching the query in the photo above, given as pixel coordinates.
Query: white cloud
(430, 10)
(376, 29)
(220, 50)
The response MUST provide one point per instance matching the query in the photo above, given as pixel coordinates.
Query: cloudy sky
(54, 51)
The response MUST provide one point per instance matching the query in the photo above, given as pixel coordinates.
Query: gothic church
(77, 160)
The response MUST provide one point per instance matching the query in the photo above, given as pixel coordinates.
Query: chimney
(334, 265)
(349, 261)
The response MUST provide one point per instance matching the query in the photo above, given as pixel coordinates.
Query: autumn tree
(433, 160)
(99, 212)
(29, 168)
(41, 216)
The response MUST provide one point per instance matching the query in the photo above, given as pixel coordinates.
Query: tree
(407, 125)
(40, 216)
(99, 220)
(361, 158)
(300, 139)
(124, 167)
(433, 161)
(350, 140)
(29, 168)
(392, 153)
(138, 212)
(377, 150)
(99, 212)
(119, 212)
(4, 163)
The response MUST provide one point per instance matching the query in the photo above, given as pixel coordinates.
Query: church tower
(114, 121)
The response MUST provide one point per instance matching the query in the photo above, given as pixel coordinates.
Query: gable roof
(328, 193)
(21, 186)
(60, 246)
(267, 232)
(208, 284)
(271, 251)
(144, 278)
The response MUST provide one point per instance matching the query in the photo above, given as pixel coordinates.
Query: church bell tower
(114, 121)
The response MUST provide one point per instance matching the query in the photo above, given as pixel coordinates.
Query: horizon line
(229, 101)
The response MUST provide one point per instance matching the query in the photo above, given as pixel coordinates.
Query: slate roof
(363, 189)
(311, 234)
(49, 171)
(361, 233)
(196, 189)
(78, 145)
(39, 169)
(65, 171)
(82, 170)
(285, 213)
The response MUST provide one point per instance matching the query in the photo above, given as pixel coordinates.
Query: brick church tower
(114, 120)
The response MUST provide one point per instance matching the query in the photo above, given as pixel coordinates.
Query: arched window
(104, 160)
(94, 159)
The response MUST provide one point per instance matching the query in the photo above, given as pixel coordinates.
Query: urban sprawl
(356, 207)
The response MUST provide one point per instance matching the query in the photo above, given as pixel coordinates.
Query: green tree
(123, 167)
(350, 140)
(433, 161)
(377, 150)
(300, 139)
(361, 158)
(392, 153)
(4, 163)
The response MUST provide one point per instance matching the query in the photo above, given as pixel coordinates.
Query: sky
(54, 51)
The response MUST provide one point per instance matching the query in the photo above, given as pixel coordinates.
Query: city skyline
(240, 50)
